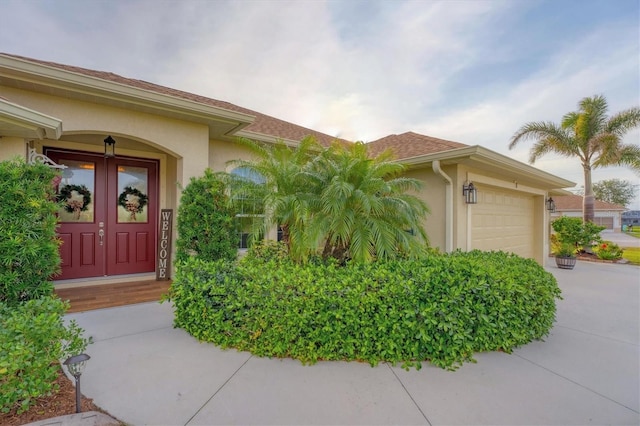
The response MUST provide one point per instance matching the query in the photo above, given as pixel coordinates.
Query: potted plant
(565, 254)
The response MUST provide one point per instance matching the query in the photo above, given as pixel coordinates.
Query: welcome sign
(164, 245)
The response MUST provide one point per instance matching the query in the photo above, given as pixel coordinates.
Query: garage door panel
(604, 221)
(503, 220)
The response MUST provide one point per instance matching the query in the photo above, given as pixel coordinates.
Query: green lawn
(635, 233)
(632, 254)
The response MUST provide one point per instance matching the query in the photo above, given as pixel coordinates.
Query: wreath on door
(75, 203)
(133, 201)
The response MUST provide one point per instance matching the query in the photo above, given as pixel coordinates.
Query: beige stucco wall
(187, 142)
(12, 147)
(221, 152)
(433, 193)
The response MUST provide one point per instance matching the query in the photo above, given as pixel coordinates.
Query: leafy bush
(608, 250)
(206, 226)
(576, 232)
(28, 246)
(33, 338)
(442, 308)
(266, 250)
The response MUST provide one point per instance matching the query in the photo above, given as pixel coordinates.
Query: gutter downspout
(448, 211)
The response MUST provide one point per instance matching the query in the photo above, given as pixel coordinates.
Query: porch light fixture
(470, 193)
(109, 147)
(75, 365)
(551, 205)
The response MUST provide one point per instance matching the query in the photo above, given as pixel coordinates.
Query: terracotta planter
(566, 262)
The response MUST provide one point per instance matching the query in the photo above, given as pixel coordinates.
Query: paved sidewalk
(143, 371)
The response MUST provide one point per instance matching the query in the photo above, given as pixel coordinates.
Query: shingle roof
(405, 145)
(263, 123)
(410, 144)
(574, 202)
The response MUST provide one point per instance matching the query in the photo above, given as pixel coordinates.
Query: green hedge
(33, 338)
(442, 308)
(28, 245)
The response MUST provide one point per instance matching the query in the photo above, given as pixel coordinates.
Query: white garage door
(503, 220)
(604, 221)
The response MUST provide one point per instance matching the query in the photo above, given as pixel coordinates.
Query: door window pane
(133, 198)
(76, 191)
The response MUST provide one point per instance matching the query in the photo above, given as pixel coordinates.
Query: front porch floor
(90, 297)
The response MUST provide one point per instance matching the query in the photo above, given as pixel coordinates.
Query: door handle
(101, 235)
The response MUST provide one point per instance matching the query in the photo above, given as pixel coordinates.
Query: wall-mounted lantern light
(109, 147)
(470, 193)
(75, 365)
(551, 205)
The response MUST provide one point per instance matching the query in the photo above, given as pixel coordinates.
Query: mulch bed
(59, 404)
(592, 257)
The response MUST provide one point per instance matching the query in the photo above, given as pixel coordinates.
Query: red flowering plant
(608, 250)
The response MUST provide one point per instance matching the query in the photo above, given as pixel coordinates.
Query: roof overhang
(18, 121)
(26, 75)
(485, 159)
(263, 137)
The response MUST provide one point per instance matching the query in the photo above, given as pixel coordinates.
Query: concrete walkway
(143, 371)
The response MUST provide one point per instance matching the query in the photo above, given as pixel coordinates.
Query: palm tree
(363, 210)
(589, 135)
(284, 189)
(354, 206)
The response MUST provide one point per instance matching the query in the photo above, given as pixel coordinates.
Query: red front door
(108, 218)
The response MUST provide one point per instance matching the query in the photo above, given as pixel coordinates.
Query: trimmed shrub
(28, 245)
(206, 225)
(442, 308)
(33, 337)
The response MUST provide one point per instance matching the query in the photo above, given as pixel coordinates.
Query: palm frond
(619, 124)
(592, 117)
(539, 130)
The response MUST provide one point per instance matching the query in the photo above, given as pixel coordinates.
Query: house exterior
(111, 224)
(631, 218)
(605, 214)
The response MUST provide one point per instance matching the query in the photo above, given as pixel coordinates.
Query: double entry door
(108, 214)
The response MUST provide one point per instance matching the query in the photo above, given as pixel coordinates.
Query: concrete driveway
(620, 238)
(586, 372)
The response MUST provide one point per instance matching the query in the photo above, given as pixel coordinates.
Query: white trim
(40, 124)
(514, 186)
(483, 155)
(448, 205)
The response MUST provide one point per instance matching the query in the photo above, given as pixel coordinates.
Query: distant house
(605, 214)
(631, 217)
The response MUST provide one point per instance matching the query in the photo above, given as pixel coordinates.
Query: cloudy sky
(471, 71)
